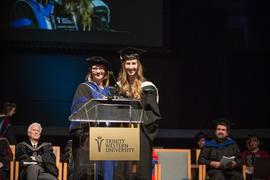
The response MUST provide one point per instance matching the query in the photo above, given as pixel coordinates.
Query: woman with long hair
(6, 128)
(132, 84)
(81, 12)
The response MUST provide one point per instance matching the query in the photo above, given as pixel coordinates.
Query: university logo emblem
(99, 141)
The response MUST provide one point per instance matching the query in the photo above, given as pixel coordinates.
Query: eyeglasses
(98, 68)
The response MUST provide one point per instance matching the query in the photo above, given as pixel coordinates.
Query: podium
(114, 128)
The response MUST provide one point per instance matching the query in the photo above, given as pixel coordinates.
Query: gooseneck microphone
(114, 91)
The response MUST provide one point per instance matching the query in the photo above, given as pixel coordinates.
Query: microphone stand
(115, 94)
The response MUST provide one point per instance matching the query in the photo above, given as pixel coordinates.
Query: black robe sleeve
(82, 94)
(238, 156)
(203, 157)
(5, 153)
(10, 135)
(49, 160)
(150, 125)
(22, 154)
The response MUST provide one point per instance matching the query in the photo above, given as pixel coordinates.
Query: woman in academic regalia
(132, 84)
(95, 86)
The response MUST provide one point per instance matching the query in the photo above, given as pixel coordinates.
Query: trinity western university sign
(114, 143)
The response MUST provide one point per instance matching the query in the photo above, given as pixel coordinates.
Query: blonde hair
(131, 90)
(82, 11)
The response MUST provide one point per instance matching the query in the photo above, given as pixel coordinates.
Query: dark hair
(8, 107)
(200, 135)
(253, 136)
(224, 124)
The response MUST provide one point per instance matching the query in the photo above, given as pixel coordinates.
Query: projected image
(82, 23)
(75, 15)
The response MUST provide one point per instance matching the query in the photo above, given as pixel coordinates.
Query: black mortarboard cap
(95, 60)
(130, 53)
(223, 121)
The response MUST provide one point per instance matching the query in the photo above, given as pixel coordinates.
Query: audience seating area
(172, 163)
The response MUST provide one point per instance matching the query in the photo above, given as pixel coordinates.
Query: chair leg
(16, 170)
(11, 170)
(65, 171)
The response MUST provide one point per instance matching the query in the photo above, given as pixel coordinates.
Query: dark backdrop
(214, 63)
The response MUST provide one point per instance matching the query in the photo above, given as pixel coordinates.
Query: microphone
(114, 91)
(111, 73)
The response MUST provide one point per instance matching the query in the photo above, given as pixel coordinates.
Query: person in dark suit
(36, 158)
(215, 150)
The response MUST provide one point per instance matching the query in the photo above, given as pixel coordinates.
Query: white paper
(26, 163)
(225, 160)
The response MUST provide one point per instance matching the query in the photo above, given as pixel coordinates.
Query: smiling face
(131, 67)
(34, 133)
(98, 73)
(221, 131)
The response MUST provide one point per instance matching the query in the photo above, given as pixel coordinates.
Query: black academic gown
(44, 150)
(83, 167)
(149, 130)
(214, 150)
(8, 131)
(5, 158)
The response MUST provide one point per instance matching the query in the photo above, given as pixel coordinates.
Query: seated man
(5, 158)
(213, 151)
(37, 160)
(252, 153)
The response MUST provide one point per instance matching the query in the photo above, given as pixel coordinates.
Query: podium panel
(102, 110)
(110, 143)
